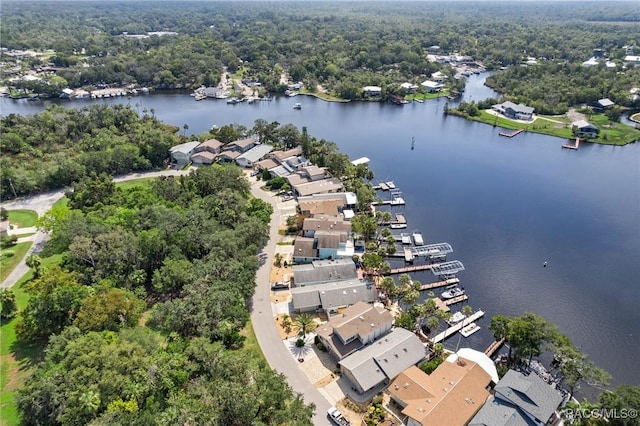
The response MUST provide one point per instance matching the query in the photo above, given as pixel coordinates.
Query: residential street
(265, 329)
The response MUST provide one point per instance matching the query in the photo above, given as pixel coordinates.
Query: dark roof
(530, 393)
(303, 247)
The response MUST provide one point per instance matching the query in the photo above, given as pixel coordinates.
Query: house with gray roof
(520, 400)
(250, 157)
(311, 225)
(378, 363)
(513, 111)
(304, 250)
(584, 129)
(181, 154)
(324, 271)
(333, 296)
(603, 104)
(356, 326)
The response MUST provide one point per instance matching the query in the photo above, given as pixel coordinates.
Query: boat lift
(437, 251)
(447, 270)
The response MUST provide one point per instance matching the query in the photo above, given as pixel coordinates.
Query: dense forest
(341, 46)
(147, 308)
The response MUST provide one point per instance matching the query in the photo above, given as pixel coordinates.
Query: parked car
(279, 285)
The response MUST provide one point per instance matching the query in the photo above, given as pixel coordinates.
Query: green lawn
(611, 133)
(17, 359)
(425, 96)
(133, 183)
(10, 257)
(251, 345)
(23, 218)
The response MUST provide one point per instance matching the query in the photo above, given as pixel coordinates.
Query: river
(505, 205)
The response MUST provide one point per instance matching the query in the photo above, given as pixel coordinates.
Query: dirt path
(574, 115)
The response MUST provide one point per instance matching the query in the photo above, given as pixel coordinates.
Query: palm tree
(286, 323)
(185, 127)
(35, 262)
(304, 324)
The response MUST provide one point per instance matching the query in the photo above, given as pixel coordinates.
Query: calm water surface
(505, 205)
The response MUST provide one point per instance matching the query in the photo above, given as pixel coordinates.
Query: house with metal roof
(354, 327)
(332, 296)
(181, 154)
(250, 157)
(324, 271)
(432, 86)
(603, 104)
(513, 111)
(584, 129)
(377, 364)
(520, 399)
(451, 395)
(324, 186)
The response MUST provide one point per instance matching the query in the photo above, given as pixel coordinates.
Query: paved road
(42, 203)
(265, 328)
(261, 315)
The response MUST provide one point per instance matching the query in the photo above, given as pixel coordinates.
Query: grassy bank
(17, 359)
(10, 257)
(611, 133)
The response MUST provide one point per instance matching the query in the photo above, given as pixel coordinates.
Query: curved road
(264, 326)
(265, 329)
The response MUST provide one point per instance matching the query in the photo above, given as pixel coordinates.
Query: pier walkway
(455, 328)
(575, 145)
(455, 300)
(437, 284)
(493, 347)
(511, 134)
(407, 269)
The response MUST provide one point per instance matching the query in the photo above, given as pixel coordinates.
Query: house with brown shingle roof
(242, 145)
(304, 250)
(451, 395)
(210, 145)
(324, 223)
(356, 326)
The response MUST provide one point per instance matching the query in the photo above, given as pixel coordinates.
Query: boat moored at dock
(417, 238)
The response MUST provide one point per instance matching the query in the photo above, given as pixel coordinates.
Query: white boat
(417, 238)
(391, 185)
(406, 238)
(398, 201)
(454, 292)
(398, 225)
(468, 330)
(456, 318)
(297, 105)
(233, 101)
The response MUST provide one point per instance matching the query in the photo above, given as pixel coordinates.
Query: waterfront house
(526, 399)
(181, 154)
(452, 394)
(356, 326)
(331, 297)
(377, 364)
(242, 145)
(432, 86)
(325, 186)
(332, 204)
(334, 244)
(311, 225)
(324, 271)
(513, 111)
(584, 129)
(66, 93)
(250, 157)
(372, 91)
(438, 76)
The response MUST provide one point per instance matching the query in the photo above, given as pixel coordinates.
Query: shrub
(300, 342)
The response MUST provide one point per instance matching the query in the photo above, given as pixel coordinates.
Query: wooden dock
(455, 300)
(511, 134)
(574, 145)
(455, 328)
(407, 269)
(437, 284)
(493, 347)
